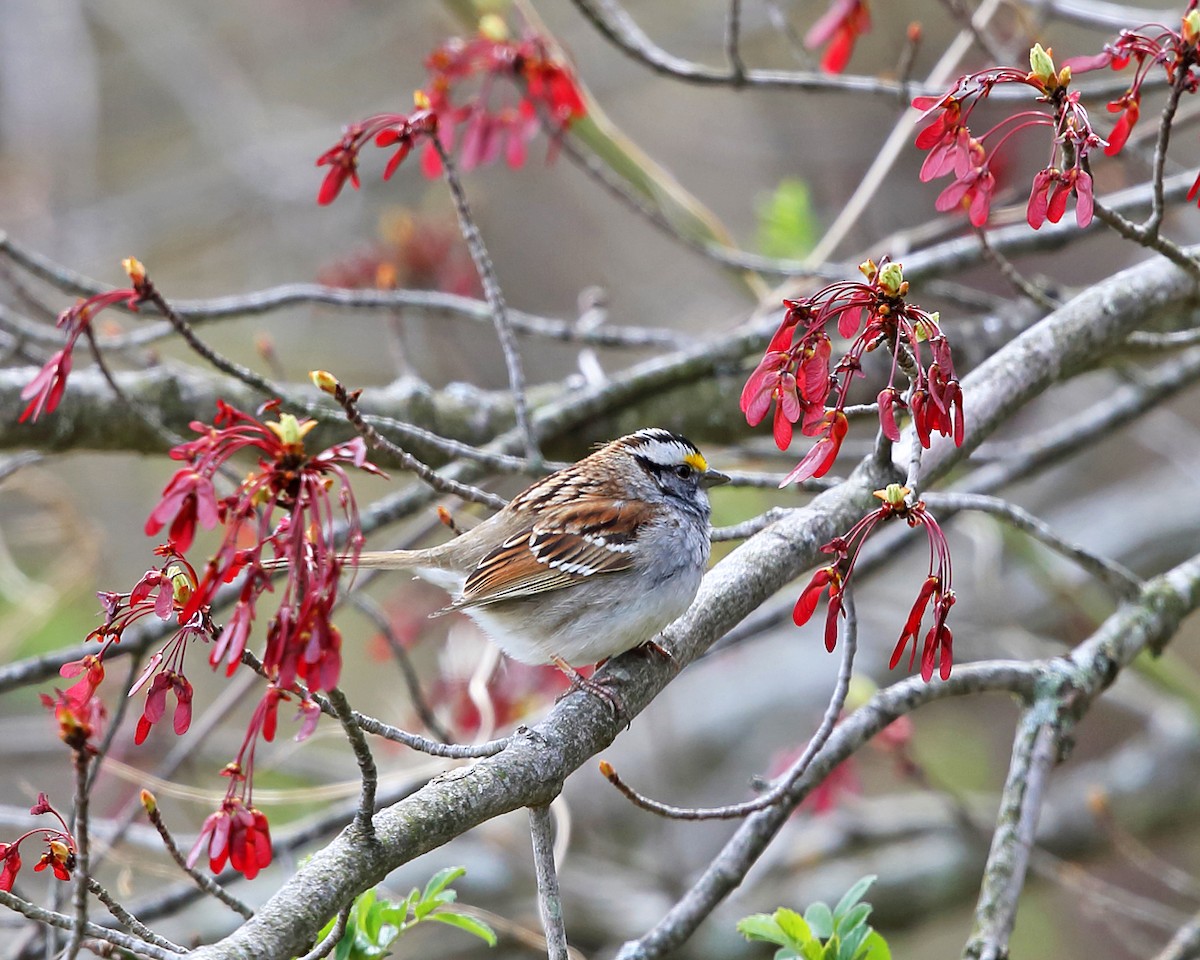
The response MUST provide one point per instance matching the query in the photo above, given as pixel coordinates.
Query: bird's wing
(563, 547)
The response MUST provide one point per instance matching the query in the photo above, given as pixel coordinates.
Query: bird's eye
(684, 471)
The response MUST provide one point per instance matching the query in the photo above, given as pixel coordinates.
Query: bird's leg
(596, 688)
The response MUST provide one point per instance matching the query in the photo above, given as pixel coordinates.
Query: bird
(586, 563)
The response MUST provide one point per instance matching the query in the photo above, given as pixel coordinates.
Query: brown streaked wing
(564, 547)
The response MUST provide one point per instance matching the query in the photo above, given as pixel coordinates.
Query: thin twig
(783, 785)
(203, 881)
(495, 298)
(331, 939)
(298, 294)
(747, 528)
(114, 725)
(1131, 231)
(79, 815)
(150, 294)
(349, 403)
(549, 899)
(1035, 751)
(129, 921)
(1182, 78)
(1116, 577)
(1153, 342)
(620, 29)
(169, 437)
(453, 751)
(61, 921)
(1185, 945)
(367, 606)
(729, 867)
(367, 770)
(733, 50)
(1013, 275)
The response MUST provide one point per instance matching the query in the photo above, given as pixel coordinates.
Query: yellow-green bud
(323, 380)
(493, 27)
(1042, 66)
(893, 494)
(134, 270)
(290, 431)
(891, 279)
(1191, 27)
(181, 583)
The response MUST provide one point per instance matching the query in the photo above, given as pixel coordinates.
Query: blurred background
(185, 134)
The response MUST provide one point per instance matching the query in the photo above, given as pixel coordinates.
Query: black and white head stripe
(662, 449)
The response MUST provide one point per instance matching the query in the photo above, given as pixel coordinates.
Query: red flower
(807, 602)
(386, 129)
(92, 668)
(836, 578)
(841, 26)
(1129, 106)
(164, 681)
(79, 721)
(818, 460)
(342, 161)
(59, 856)
(45, 390)
(237, 833)
(187, 498)
(953, 148)
(290, 504)
(795, 372)
(11, 856)
(938, 646)
(550, 82)
(60, 848)
(545, 82)
(972, 190)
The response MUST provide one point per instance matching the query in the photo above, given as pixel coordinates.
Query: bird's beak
(713, 478)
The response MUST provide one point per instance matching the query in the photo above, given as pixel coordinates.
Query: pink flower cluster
(1150, 45)
(483, 129)
(937, 651)
(795, 374)
(954, 150)
(59, 855)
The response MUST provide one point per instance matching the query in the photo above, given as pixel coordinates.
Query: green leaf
(852, 941)
(852, 920)
(441, 880)
(833, 949)
(367, 919)
(470, 924)
(794, 927)
(786, 225)
(874, 948)
(787, 953)
(853, 895)
(820, 920)
(761, 926)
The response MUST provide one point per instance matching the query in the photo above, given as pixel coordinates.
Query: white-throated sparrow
(587, 562)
